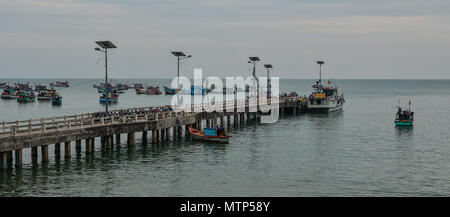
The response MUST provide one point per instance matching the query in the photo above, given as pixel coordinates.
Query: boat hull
(403, 123)
(313, 109)
(170, 91)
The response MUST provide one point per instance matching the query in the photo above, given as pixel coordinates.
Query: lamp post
(105, 45)
(320, 62)
(253, 61)
(180, 56)
(268, 67)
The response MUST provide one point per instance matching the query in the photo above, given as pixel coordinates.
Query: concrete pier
(18, 135)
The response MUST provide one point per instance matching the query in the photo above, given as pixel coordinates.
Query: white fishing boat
(325, 99)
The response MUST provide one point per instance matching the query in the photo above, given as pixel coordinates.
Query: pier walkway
(84, 128)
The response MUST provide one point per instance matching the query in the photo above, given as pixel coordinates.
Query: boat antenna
(409, 105)
(320, 62)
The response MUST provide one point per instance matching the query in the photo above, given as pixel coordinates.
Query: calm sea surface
(355, 153)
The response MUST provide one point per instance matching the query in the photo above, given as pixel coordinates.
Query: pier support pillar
(34, 154)
(3, 160)
(67, 149)
(228, 121)
(109, 142)
(222, 121)
(58, 148)
(282, 111)
(167, 133)
(92, 144)
(131, 139)
(208, 123)
(78, 146)
(163, 134)
(144, 137)
(294, 110)
(180, 131)
(18, 158)
(157, 135)
(89, 146)
(103, 140)
(9, 158)
(154, 137)
(44, 153)
(118, 139)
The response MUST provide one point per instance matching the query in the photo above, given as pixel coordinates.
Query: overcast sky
(356, 38)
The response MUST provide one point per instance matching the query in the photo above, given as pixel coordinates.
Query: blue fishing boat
(404, 117)
(171, 91)
(112, 98)
(195, 91)
(57, 100)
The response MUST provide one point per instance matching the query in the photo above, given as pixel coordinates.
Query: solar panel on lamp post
(105, 45)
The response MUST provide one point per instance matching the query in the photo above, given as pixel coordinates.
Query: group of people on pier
(121, 112)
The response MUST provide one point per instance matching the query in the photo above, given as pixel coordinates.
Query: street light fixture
(180, 56)
(105, 45)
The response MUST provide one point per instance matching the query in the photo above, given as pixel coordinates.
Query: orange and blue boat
(215, 134)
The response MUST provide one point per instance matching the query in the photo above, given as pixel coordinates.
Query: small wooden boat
(57, 100)
(60, 84)
(24, 86)
(149, 91)
(26, 97)
(404, 117)
(210, 135)
(171, 91)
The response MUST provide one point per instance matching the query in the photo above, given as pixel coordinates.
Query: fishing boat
(216, 134)
(3, 85)
(149, 91)
(59, 84)
(113, 97)
(26, 97)
(24, 87)
(46, 94)
(9, 93)
(325, 99)
(39, 87)
(404, 117)
(171, 91)
(57, 100)
(138, 86)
